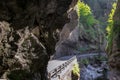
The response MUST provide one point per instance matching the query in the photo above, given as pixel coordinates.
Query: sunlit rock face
(75, 38)
(21, 54)
(68, 37)
(28, 31)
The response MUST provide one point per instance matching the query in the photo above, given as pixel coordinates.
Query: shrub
(76, 70)
(85, 14)
(109, 28)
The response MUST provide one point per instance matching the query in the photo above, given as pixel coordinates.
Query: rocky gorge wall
(76, 38)
(101, 9)
(68, 36)
(28, 31)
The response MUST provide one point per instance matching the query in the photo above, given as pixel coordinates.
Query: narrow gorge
(80, 37)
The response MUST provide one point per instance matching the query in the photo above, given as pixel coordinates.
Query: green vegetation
(87, 19)
(110, 28)
(110, 20)
(81, 49)
(76, 70)
(101, 58)
(85, 14)
(90, 28)
(85, 61)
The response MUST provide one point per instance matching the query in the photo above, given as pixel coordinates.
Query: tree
(114, 46)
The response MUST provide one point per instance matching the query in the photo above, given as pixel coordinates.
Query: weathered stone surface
(94, 68)
(68, 36)
(76, 38)
(20, 51)
(25, 51)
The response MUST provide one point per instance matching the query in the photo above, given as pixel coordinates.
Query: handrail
(54, 73)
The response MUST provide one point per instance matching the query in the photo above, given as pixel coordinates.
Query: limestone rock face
(20, 53)
(75, 38)
(28, 31)
(68, 37)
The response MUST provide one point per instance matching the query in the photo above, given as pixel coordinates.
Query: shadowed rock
(28, 36)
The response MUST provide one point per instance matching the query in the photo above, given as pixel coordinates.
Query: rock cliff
(68, 37)
(28, 31)
(101, 9)
(76, 38)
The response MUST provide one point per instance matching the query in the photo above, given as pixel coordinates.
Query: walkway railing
(61, 68)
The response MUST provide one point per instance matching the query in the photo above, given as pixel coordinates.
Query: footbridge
(61, 68)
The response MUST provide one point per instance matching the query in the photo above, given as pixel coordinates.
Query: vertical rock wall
(68, 36)
(101, 9)
(28, 36)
